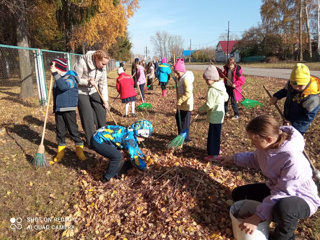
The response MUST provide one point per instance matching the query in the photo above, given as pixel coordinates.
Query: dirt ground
(178, 197)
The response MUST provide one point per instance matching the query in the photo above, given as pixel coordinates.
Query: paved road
(263, 72)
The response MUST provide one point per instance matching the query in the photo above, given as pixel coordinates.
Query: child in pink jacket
(141, 79)
(233, 72)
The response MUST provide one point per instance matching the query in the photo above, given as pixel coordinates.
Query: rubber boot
(60, 154)
(165, 92)
(79, 153)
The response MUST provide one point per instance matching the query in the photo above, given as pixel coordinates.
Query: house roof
(224, 45)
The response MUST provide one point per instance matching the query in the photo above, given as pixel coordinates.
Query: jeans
(214, 138)
(141, 86)
(107, 150)
(234, 104)
(185, 122)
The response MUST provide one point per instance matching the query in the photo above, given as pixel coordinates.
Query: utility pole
(228, 43)
(190, 52)
(146, 52)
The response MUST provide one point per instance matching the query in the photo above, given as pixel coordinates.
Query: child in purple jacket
(290, 193)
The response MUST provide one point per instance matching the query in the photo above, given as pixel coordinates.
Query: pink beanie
(164, 60)
(180, 65)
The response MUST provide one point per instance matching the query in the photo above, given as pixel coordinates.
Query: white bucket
(244, 207)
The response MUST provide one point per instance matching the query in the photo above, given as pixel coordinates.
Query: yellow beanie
(300, 75)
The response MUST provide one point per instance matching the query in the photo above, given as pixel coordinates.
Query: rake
(316, 172)
(105, 104)
(40, 158)
(247, 103)
(179, 140)
(143, 105)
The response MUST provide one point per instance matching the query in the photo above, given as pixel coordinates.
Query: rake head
(144, 106)
(249, 103)
(178, 140)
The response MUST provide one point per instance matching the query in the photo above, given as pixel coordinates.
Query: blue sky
(202, 21)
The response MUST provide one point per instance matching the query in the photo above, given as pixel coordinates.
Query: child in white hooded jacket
(214, 106)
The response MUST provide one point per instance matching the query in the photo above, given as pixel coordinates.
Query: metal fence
(13, 59)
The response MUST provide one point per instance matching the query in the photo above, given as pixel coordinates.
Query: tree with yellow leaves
(105, 26)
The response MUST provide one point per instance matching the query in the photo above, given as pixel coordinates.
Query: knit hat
(60, 64)
(164, 60)
(211, 73)
(120, 70)
(300, 75)
(180, 65)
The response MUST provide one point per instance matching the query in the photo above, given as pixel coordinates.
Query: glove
(139, 163)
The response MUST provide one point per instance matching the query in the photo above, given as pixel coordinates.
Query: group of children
(290, 192)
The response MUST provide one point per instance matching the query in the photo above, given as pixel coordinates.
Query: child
(126, 90)
(290, 193)
(122, 66)
(108, 139)
(65, 100)
(141, 79)
(163, 74)
(150, 75)
(214, 106)
(302, 98)
(134, 72)
(185, 96)
(234, 73)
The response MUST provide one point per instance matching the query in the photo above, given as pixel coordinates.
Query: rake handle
(105, 104)
(178, 109)
(224, 76)
(47, 110)
(277, 107)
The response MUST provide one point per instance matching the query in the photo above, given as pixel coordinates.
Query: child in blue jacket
(302, 98)
(163, 74)
(109, 139)
(65, 102)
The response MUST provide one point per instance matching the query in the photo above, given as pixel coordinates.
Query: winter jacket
(86, 69)
(214, 105)
(288, 172)
(65, 92)
(125, 86)
(141, 75)
(163, 71)
(238, 80)
(122, 138)
(185, 91)
(150, 73)
(301, 108)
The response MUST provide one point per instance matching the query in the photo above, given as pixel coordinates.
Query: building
(225, 49)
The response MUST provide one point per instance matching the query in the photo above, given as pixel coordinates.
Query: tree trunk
(24, 55)
(308, 30)
(300, 32)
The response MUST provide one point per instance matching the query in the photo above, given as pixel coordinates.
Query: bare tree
(167, 45)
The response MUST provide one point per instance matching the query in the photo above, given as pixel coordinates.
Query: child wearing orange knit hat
(302, 98)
